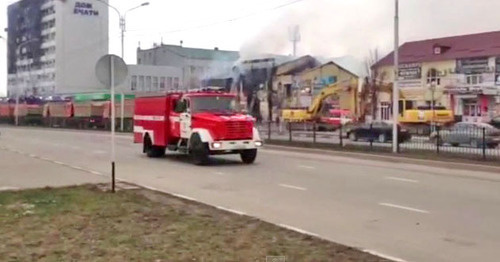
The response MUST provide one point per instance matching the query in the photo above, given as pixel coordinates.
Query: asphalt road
(410, 212)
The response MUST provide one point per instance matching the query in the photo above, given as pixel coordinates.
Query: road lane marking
(401, 179)
(95, 172)
(58, 162)
(302, 231)
(404, 208)
(382, 255)
(33, 156)
(99, 152)
(293, 187)
(306, 167)
(219, 173)
(183, 196)
(230, 210)
(78, 168)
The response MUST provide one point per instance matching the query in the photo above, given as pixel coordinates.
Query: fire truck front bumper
(233, 146)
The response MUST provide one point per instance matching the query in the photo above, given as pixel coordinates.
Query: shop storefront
(474, 95)
(473, 105)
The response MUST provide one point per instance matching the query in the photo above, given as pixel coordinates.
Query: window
(410, 104)
(162, 83)
(169, 83)
(155, 83)
(213, 104)
(133, 83)
(474, 79)
(176, 83)
(181, 106)
(148, 83)
(141, 83)
(385, 111)
(433, 77)
(429, 104)
(138, 61)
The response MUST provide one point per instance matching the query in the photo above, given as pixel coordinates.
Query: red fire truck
(198, 123)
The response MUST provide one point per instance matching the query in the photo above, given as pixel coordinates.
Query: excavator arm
(301, 115)
(318, 100)
(325, 93)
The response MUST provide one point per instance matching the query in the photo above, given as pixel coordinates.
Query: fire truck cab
(198, 123)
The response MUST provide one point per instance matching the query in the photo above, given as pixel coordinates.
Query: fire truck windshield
(219, 104)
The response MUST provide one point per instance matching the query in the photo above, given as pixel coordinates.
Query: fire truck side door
(185, 121)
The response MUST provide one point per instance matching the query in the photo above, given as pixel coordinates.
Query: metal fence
(476, 143)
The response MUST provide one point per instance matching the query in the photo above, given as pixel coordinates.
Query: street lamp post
(395, 91)
(123, 19)
(432, 88)
(123, 22)
(18, 53)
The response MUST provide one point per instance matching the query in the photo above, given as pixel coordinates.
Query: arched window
(433, 77)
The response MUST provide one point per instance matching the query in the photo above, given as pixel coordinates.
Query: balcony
(472, 84)
(48, 57)
(47, 4)
(48, 17)
(48, 31)
(24, 62)
(47, 44)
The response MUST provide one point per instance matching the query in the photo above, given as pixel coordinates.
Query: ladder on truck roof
(164, 93)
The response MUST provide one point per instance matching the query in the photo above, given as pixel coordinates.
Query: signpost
(111, 70)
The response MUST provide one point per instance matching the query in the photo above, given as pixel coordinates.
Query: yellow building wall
(310, 76)
(347, 99)
(421, 93)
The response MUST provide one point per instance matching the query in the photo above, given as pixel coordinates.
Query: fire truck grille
(238, 130)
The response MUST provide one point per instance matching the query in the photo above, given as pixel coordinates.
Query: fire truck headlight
(216, 145)
(258, 143)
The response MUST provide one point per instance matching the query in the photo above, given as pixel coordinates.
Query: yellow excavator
(419, 120)
(314, 110)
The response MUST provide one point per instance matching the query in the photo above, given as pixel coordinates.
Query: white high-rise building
(53, 46)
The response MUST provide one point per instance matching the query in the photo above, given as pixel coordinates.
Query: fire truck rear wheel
(151, 150)
(198, 150)
(248, 156)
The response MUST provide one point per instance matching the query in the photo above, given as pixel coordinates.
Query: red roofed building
(459, 72)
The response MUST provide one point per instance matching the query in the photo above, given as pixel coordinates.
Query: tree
(372, 85)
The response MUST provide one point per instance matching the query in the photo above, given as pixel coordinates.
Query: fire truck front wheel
(248, 156)
(198, 150)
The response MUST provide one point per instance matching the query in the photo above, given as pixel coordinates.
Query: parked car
(495, 121)
(470, 134)
(376, 131)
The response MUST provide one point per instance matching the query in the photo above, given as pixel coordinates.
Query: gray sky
(328, 27)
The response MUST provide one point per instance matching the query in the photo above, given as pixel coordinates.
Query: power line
(224, 21)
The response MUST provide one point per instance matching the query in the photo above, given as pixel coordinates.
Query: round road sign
(103, 70)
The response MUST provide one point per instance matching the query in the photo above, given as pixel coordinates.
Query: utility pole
(395, 90)
(294, 37)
